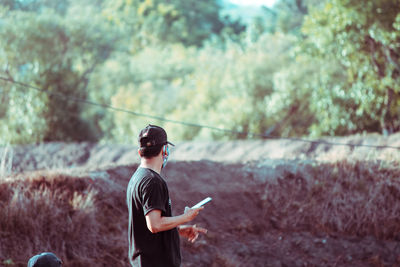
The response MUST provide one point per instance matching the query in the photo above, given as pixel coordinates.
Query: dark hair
(150, 152)
(47, 259)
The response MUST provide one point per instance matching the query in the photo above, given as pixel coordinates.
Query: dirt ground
(238, 175)
(242, 233)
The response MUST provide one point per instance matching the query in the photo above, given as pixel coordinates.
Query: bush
(65, 215)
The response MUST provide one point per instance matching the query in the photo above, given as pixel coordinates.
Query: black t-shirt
(148, 191)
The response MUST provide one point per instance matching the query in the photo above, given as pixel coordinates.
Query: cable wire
(190, 124)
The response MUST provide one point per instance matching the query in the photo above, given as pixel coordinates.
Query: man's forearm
(157, 223)
(167, 223)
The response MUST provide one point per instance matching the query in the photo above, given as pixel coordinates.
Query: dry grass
(85, 222)
(357, 199)
(69, 216)
(6, 162)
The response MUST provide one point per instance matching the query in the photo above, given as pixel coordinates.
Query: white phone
(201, 203)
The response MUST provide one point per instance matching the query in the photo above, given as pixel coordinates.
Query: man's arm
(157, 223)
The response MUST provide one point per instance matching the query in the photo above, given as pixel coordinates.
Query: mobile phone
(202, 203)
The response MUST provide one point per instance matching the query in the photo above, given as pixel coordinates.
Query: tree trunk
(387, 120)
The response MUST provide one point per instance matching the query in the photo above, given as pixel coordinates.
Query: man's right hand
(192, 213)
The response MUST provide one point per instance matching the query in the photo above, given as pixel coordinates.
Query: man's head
(45, 259)
(152, 139)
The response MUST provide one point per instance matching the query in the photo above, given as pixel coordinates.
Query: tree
(56, 54)
(364, 38)
(150, 22)
(286, 16)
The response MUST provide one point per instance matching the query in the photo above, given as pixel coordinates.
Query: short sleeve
(154, 197)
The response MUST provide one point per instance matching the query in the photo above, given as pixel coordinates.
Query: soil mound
(274, 204)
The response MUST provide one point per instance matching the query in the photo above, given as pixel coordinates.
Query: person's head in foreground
(153, 143)
(45, 259)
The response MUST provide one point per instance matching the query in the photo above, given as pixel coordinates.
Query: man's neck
(152, 164)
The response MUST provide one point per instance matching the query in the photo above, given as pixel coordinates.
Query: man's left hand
(191, 232)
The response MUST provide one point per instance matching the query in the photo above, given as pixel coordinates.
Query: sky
(253, 2)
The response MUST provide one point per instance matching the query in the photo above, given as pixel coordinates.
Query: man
(153, 231)
(45, 259)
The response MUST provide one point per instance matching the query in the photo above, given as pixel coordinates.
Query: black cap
(153, 135)
(45, 259)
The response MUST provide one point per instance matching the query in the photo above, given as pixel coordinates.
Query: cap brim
(169, 143)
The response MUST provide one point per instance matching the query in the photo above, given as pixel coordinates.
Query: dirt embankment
(274, 204)
(50, 156)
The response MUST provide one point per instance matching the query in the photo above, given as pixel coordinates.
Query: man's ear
(140, 154)
(162, 152)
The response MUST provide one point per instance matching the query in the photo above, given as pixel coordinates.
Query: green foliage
(287, 16)
(20, 122)
(238, 86)
(299, 68)
(189, 22)
(364, 38)
(231, 88)
(42, 51)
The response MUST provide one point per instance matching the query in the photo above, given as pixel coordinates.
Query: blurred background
(288, 68)
(80, 78)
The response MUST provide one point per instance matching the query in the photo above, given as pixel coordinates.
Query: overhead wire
(191, 124)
